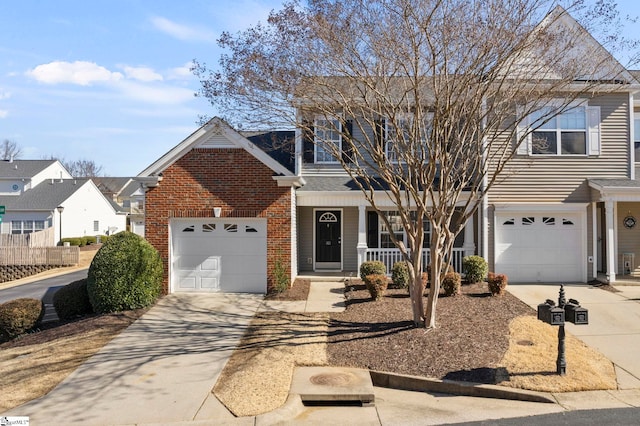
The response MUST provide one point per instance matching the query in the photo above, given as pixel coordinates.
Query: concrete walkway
(323, 297)
(159, 370)
(614, 322)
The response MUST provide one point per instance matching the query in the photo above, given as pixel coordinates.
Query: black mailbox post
(557, 315)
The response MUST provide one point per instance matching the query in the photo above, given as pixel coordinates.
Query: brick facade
(229, 178)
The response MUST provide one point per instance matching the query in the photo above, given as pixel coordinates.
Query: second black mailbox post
(557, 315)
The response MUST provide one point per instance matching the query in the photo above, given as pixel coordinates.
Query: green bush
(126, 273)
(280, 276)
(426, 276)
(372, 267)
(89, 240)
(451, 284)
(400, 274)
(72, 300)
(75, 241)
(497, 283)
(19, 316)
(377, 285)
(475, 268)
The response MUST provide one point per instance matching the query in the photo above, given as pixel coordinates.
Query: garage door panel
(216, 254)
(539, 247)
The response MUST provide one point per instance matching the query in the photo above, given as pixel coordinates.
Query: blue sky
(109, 81)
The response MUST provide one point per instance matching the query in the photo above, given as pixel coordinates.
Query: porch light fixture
(217, 211)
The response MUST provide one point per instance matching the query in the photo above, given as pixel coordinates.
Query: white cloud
(3, 113)
(155, 94)
(82, 73)
(181, 73)
(182, 32)
(4, 95)
(141, 73)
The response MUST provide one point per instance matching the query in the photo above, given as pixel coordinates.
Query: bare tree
(10, 149)
(448, 84)
(82, 168)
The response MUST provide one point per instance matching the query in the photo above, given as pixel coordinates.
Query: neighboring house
(32, 191)
(224, 212)
(129, 195)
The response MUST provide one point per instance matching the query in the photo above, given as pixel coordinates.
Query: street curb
(422, 384)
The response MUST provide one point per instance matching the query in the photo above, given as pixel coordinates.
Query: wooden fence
(55, 256)
(44, 238)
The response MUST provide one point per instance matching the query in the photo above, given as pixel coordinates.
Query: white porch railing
(389, 256)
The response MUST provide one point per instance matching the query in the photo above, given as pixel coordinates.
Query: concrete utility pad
(333, 384)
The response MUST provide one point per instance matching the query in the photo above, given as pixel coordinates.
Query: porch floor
(328, 276)
(620, 279)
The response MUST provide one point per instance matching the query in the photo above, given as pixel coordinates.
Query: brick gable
(229, 178)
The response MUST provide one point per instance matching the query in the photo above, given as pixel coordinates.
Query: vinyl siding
(563, 178)
(628, 239)
(305, 239)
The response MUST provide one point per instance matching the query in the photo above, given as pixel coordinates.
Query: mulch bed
(54, 330)
(298, 291)
(471, 337)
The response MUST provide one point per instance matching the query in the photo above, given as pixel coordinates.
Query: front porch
(391, 256)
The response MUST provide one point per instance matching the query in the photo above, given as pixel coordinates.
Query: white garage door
(215, 254)
(539, 247)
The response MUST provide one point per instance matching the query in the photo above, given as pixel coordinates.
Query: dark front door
(328, 238)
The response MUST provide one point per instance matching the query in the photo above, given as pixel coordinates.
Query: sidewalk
(161, 370)
(614, 322)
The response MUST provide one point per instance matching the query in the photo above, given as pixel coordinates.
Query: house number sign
(629, 222)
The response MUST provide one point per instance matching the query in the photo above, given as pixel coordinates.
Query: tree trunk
(416, 287)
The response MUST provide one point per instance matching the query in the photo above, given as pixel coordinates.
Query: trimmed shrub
(377, 285)
(19, 316)
(372, 267)
(89, 240)
(451, 284)
(280, 276)
(475, 268)
(426, 276)
(126, 273)
(72, 300)
(400, 274)
(497, 283)
(79, 242)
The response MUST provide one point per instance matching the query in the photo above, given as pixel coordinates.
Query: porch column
(609, 209)
(362, 234)
(469, 245)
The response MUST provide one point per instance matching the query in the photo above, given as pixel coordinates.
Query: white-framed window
(564, 134)
(96, 225)
(26, 226)
(398, 230)
(636, 135)
(328, 139)
(573, 132)
(399, 134)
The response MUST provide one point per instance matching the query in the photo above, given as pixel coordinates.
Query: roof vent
(11, 159)
(60, 177)
(51, 181)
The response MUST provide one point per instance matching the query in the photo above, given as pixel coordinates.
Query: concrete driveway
(159, 370)
(614, 322)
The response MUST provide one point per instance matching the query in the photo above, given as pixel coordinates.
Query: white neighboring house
(129, 195)
(33, 190)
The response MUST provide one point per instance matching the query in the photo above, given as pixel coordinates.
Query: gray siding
(628, 239)
(349, 238)
(563, 178)
(305, 239)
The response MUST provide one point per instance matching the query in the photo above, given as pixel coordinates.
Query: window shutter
(372, 229)
(593, 129)
(379, 130)
(347, 148)
(307, 143)
(521, 131)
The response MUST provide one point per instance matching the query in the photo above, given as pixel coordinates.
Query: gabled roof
(111, 185)
(19, 169)
(278, 144)
(215, 133)
(44, 197)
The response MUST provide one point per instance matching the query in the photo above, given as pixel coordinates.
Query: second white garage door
(215, 254)
(540, 247)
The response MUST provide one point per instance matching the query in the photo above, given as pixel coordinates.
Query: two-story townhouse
(225, 210)
(129, 195)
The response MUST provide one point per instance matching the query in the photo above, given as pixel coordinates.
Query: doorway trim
(337, 266)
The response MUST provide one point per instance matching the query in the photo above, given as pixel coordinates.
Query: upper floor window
(328, 140)
(398, 136)
(564, 134)
(575, 131)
